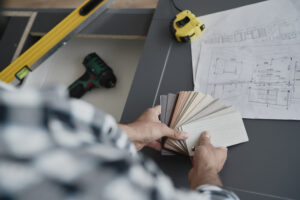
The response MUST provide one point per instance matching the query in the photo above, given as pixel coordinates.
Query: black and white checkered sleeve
(52, 147)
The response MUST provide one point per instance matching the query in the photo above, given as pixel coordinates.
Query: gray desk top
(267, 167)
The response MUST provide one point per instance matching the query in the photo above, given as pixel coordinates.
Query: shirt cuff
(216, 191)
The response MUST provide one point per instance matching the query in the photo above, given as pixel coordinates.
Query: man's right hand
(208, 161)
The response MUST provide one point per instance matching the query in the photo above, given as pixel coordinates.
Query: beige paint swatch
(194, 113)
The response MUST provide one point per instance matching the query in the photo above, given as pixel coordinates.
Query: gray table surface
(267, 167)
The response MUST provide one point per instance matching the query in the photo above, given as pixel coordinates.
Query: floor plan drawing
(269, 96)
(227, 67)
(296, 80)
(274, 71)
(228, 90)
(271, 82)
(255, 78)
(252, 61)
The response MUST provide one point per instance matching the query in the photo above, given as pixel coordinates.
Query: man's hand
(147, 130)
(208, 161)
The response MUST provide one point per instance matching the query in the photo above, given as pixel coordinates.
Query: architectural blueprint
(252, 61)
(261, 81)
(273, 20)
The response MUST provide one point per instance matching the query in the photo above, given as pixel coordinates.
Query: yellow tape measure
(42, 49)
(185, 26)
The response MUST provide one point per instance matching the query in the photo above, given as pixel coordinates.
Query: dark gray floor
(267, 167)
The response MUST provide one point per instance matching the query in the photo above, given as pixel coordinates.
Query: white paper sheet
(248, 58)
(269, 20)
(226, 130)
(261, 81)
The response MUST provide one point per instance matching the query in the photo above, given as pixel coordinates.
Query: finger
(175, 134)
(155, 145)
(204, 138)
(221, 152)
(152, 114)
(156, 113)
(192, 160)
(190, 174)
(222, 148)
(157, 110)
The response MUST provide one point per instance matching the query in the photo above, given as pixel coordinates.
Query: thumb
(222, 152)
(204, 138)
(175, 134)
(157, 109)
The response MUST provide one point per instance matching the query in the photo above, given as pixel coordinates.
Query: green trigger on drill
(97, 74)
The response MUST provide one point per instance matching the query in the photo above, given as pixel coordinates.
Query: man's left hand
(147, 130)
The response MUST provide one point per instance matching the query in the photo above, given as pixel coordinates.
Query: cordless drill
(97, 74)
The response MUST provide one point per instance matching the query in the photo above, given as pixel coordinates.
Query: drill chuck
(108, 79)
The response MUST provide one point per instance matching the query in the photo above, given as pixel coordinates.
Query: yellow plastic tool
(185, 26)
(47, 45)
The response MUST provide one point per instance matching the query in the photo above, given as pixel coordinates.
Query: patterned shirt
(54, 147)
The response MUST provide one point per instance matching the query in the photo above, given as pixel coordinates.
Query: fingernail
(206, 134)
(183, 135)
(225, 148)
